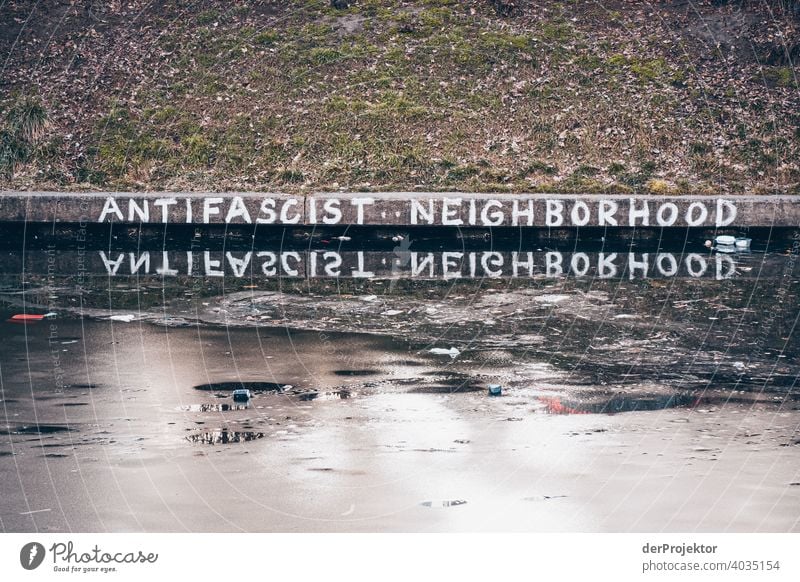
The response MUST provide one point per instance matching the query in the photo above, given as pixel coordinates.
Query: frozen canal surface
(628, 404)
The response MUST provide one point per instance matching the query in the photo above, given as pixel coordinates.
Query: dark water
(639, 401)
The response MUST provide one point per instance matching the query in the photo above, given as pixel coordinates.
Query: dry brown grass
(433, 94)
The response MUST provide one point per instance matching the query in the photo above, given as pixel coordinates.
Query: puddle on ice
(444, 388)
(40, 429)
(223, 437)
(356, 372)
(619, 403)
(329, 395)
(252, 386)
(213, 407)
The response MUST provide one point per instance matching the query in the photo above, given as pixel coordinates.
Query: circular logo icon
(31, 555)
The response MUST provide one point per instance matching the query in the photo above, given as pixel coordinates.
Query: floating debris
(452, 352)
(743, 243)
(444, 503)
(25, 318)
(725, 239)
(213, 407)
(368, 298)
(495, 390)
(241, 395)
(126, 318)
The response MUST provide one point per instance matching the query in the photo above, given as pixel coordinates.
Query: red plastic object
(25, 317)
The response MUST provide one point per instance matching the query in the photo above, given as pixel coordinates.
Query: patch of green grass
(503, 42)
(266, 38)
(124, 144)
(779, 76)
(617, 61)
(435, 17)
(539, 167)
(291, 176)
(396, 103)
(323, 55)
(585, 171)
(616, 169)
(23, 126)
(649, 70)
(557, 31)
(207, 17)
(197, 149)
(634, 180)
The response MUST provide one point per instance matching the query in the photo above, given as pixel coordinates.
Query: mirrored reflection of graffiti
(404, 263)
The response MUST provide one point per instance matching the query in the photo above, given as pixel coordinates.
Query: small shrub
(24, 125)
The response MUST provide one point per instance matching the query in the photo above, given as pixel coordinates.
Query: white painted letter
(449, 214)
(110, 207)
(643, 213)
(285, 215)
(237, 208)
(417, 208)
(268, 208)
(209, 210)
(359, 202)
(661, 220)
(165, 203)
(334, 214)
(580, 208)
(516, 213)
(606, 212)
(143, 212)
(701, 218)
(721, 206)
(554, 216)
(495, 218)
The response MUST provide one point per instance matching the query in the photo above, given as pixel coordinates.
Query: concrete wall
(402, 209)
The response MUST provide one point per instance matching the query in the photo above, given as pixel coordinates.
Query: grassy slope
(431, 94)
